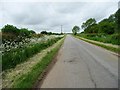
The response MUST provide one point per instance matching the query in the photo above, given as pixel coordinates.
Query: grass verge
(27, 80)
(114, 49)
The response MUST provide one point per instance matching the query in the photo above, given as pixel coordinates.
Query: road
(83, 65)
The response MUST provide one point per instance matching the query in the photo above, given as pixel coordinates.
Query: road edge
(46, 71)
(115, 51)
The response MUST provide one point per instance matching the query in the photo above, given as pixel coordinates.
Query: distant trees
(50, 33)
(109, 25)
(44, 32)
(75, 30)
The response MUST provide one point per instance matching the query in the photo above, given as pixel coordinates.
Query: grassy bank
(108, 47)
(27, 80)
(12, 58)
(112, 39)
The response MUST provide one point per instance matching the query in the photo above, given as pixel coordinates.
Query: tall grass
(113, 39)
(16, 56)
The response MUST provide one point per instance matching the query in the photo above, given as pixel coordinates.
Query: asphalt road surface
(83, 65)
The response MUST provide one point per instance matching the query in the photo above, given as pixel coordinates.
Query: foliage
(106, 27)
(114, 38)
(28, 80)
(10, 29)
(88, 23)
(12, 58)
(43, 32)
(92, 29)
(75, 30)
(114, 49)
(11, 33)
(117, 17)
(50, 33)
(109, 25)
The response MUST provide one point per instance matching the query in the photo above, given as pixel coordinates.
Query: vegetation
(17, 46)
(50, 33)
(105, 38)
(20, 44)
(75, 30)
(111, 48)
(89, 25)
(12, 33)
(107, 30)
(12, 58)
(28, 80)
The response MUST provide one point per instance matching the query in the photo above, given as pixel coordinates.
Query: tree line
(12, 33)
(108, 25)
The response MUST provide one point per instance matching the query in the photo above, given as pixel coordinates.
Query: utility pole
(61, 29)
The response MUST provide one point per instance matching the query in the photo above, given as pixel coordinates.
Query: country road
(82, 65)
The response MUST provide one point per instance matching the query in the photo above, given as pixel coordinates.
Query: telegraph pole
(61, 29)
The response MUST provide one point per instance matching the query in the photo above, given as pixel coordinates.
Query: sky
(49, 15)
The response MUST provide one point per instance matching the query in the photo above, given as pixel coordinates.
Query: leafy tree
(50, 33)
(88, 23)
(75, 30)
(112, 18)
(107, 27)
(117, 17)
(32, 32)
(24, 32)
(92, 29)
(44, 32)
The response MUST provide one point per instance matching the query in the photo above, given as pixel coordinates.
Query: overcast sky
(39, 15)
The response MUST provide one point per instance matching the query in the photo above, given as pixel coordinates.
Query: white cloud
(50, 15)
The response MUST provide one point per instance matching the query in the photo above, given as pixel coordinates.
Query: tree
(88, 23)
(44, 32)
(10, 29)
(75, 30)
(94, 28)
(24, 32)
(112, 18)
(106, 27)
(117, 17)
(32, 32)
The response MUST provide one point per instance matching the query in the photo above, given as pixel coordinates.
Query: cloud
(51, 15)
